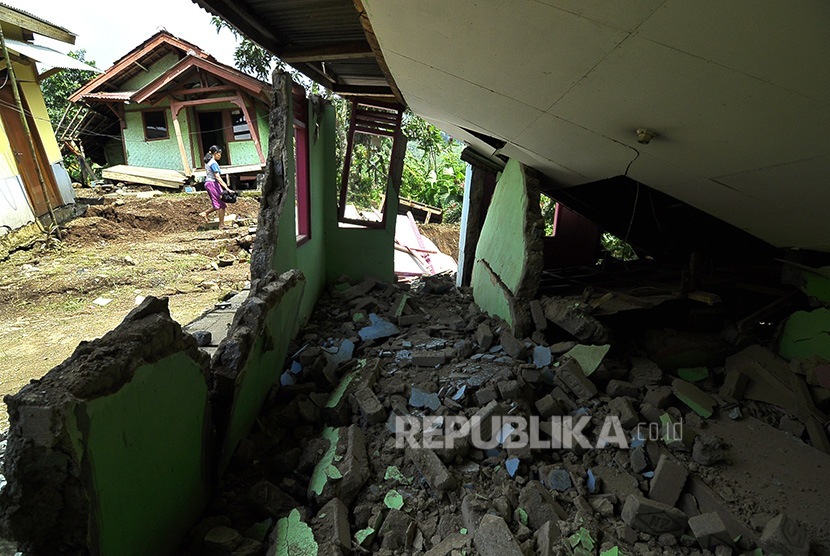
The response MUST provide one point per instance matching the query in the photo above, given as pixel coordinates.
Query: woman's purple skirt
(215, 192)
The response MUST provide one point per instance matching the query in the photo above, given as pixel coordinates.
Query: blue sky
(109, 30)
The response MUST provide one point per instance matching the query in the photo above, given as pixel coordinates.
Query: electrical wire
(105, 135)
(636, 195)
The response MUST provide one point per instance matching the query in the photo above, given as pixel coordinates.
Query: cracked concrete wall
(250, 360)
(107, 435)
(98, 445)
(509, 256)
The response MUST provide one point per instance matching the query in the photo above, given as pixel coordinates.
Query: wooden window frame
(372, 118)
(227, 123)
(166, 125)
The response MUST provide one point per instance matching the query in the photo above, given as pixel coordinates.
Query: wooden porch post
(240, 102)
(174, 109)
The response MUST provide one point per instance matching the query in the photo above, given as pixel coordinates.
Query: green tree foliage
(248, 56)
(59, 87)
(433, 171)
(617, 248)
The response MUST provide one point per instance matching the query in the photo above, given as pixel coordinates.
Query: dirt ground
(121, 250)
(128, 247)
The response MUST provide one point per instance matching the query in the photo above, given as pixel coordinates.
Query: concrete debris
(709, 530)
(783, 535)
(653, 517)
(493, 538)
(329, 467)
(668, 481)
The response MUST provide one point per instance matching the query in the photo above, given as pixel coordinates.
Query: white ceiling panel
(494, 113)
(522, 49)
(627, 15)
(708, 117)
(776, 41)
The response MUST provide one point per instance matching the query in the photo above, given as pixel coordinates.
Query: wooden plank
(343, 51)
(10, 15)
(147, 176)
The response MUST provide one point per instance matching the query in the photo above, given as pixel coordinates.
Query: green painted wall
(146, 457)
(502, 243)
(311, 255)
(243, 152)
(807, 335)
(262, 369)
(160, 153)
(154, 71)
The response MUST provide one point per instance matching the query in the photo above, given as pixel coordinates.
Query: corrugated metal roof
(118, 95)
(47, 56)
(40, 19)
(298, 26)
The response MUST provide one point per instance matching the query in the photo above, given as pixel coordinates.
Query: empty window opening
(374, 132)
(302, 197)
(155, 125)
(240, 129)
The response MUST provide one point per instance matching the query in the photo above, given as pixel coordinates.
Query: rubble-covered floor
(321, 472)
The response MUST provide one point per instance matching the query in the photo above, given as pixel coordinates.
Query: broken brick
(571, 376)
(653, 517)
(709, 530)
(668, 481)
(493, 538)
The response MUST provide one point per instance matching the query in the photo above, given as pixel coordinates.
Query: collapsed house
(151, 117)
(271, 440)
(35, 188)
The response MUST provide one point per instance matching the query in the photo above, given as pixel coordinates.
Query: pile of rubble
(352, 453)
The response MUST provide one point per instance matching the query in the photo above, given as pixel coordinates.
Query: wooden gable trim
(241, 80)
(129, 60)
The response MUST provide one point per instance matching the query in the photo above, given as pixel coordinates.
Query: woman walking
(214, 184)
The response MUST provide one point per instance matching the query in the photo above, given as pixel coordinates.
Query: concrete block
(432, 468)
(637, 459)
(652, 517)
(547, 537)
(456, 543)
(332, 525)
(397, 531)
(493, 538)
(644, 372)
(486, 395)
(783, 535)
(367, 404)
(409, 320)
(658, 396)
(509, 389)
(571, 376)
(514, 347)
(537, 313)
(617, 388)
(709, 530)
(540, 505)
(428, 358)
(622, 408)
(548, 406)
(484, 336)
(668, 481)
